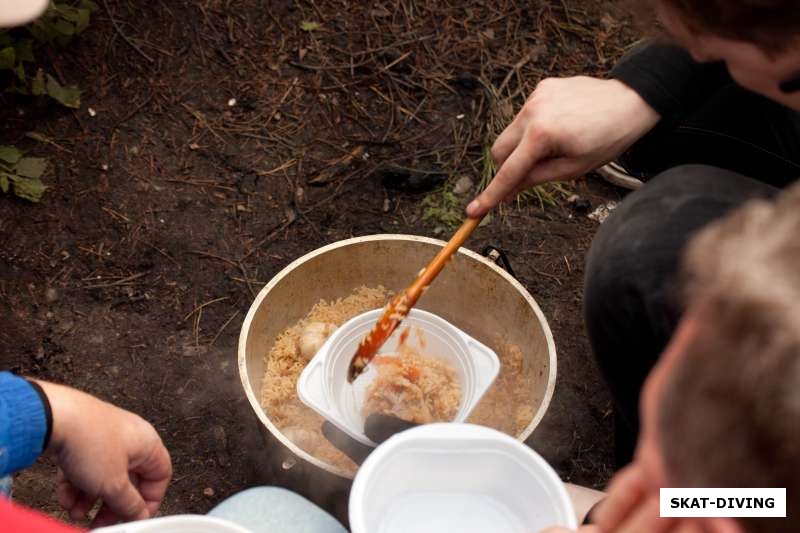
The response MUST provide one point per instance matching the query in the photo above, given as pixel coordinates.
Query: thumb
(124, 501)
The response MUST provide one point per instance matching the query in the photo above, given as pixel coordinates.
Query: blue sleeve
(23, 423)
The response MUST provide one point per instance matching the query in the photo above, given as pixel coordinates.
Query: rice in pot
(512, 391)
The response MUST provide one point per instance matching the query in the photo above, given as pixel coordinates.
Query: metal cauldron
(472, 292)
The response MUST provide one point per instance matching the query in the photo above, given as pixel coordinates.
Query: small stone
(463, 186)
(135, 150)
(466, 81)
(50, 295)
(438, 230)
(583, 205)
(232, 102)
(194, 146)
(602, 212)
(208, 492)
(299, 195)
(92, 112)
(104, 166)
(387, 205)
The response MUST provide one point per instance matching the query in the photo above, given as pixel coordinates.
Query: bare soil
(171, 204)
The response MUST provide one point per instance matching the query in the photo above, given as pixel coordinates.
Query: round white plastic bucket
(457, 477)
(176, 524)
(323, 383)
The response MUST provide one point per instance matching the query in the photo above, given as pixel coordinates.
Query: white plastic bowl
(323, 383)
(457, 477)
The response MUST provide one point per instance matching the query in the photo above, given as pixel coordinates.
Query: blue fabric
(275, 510)
(23, 424)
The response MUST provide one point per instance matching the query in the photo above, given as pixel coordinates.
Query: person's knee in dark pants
(630, 305)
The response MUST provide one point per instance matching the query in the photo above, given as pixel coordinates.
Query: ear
(722, 525)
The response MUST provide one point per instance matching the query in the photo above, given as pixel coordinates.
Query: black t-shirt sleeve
(669, 80)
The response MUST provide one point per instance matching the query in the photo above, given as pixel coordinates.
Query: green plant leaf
(24, 49)
(29, 189)
(3, 182)
(9, 154)
(41, 30)
(90, 5)
(31, 167)
(69, 96)
(8, 58)
(308, 25)
(20, 72)
(38, 85)
(65, 30)
(83, 19)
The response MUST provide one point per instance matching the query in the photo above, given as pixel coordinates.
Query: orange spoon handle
(401, 304)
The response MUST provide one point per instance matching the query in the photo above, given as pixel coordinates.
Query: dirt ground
(217, 151)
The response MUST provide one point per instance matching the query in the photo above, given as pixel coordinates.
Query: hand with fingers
(105, 454)
(567, 127)
(632, 506)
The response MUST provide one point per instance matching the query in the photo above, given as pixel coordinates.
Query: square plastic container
(457, 477)
(323, 383)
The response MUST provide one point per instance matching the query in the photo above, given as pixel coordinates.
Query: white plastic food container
(176, 524)
(323, 383)
(19, 12)
(457, 477)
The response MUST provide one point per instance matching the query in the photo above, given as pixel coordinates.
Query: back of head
(730, 414)
(772, 24)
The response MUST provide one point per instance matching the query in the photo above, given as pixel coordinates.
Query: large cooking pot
(472, 292)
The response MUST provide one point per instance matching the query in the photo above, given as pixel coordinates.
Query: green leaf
(67, 96)
(41, 30)
(24, 49)
(37, 84)
(31, 167)
(82, 21)
(65, 30)
(9, 154)
(29, 189)
(3, 182)
(90, 5)
(8, 58)
(307, 25)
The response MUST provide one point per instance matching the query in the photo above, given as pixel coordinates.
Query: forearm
(25, 422)
(669, 80)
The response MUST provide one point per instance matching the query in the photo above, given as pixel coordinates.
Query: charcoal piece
(409, 180)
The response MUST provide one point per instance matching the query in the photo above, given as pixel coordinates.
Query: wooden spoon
(401, 304)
